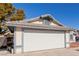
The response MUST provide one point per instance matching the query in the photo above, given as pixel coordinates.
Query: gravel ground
(50, 52)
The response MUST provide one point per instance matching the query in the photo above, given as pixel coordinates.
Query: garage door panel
(39, 41)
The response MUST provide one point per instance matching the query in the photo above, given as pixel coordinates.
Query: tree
(9, 13)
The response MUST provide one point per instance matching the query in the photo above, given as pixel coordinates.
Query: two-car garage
(29, 37)
(32, 39)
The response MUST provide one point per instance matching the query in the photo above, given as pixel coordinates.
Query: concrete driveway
(50, 52)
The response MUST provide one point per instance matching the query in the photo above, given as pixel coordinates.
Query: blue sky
(67, 14)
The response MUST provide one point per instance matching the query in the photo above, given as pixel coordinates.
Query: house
(40, 33)
(74, 42)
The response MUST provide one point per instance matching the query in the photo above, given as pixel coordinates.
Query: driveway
(50, 52)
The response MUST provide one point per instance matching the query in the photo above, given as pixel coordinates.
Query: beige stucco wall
(18, 39)
(39, 40)
(36, 22)
(54, 24)
(40, 22)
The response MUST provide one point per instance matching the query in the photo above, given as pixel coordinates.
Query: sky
(65, 13)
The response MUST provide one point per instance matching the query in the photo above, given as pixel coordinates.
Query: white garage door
(43, 39)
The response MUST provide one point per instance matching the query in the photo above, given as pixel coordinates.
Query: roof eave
(27, 25)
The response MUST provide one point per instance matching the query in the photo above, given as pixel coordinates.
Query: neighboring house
(75, 38)
(40, 33)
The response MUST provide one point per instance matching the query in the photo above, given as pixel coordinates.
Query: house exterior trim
(14, 41)
(65, 39)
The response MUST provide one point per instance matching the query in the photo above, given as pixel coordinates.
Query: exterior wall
(36, 22)
(72, 33)
(40, 40)
(18, 40)
(67, 38)
(32, 40)
(74, 38)
(41, 22)
(53, 24)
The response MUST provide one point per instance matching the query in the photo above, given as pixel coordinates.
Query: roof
(26, 24)
(36, 26)
(43, 16)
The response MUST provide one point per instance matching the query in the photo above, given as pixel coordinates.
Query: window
(46, 22)
(71, 37)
